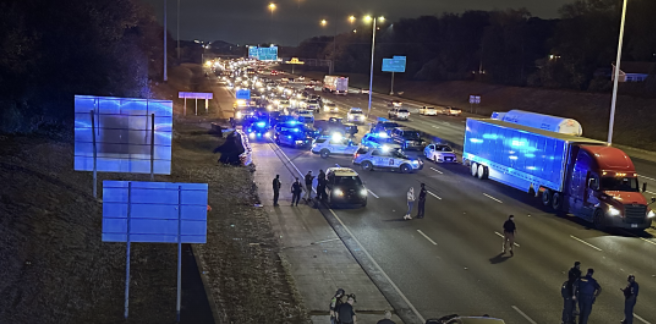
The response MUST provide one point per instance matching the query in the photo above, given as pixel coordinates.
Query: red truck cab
(602, 187)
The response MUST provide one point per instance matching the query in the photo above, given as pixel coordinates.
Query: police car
(304, 116)
(440, 153)
(258, 129)
(355, 115)
(293, 136)
(387, 159)
(343, 186)
(337, 145)
(378, 140)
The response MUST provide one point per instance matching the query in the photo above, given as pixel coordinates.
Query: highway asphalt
(450, 261)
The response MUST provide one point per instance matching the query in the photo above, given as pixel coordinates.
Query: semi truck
(335, 84)
(572, 175)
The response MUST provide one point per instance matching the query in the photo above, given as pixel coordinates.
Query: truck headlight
(651, 214)
(612, 211)
(363, 192)
(339, 193)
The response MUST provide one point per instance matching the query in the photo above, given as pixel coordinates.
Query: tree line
(509, 47)
(52, 50)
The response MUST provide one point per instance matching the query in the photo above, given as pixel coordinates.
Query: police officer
(297, 189)
(421, 202)
(572, 277)
(588, 289)
(309, 178)
(630, 298)
(276, 189)
(321, 185)
(569, 302)
(335, 302)
(509, 231)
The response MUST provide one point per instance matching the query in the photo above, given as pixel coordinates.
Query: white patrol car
(389, 159)
(440, 153)
(355, 115)
(333, 145)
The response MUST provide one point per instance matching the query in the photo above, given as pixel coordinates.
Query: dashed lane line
(497, 200)
(501, 236)
(436, 170)
(586, 243)
(372, 193)
(434, 195)
(530, 320)
(426, 236)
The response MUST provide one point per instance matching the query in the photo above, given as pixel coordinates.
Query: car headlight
(612, 211)
(267, 134)
(251, 135)
(299, 142)
(238, 115)
(338, 192)
(651, 214)
(415, 162)
(363, 192)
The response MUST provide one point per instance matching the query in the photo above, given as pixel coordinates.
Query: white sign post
(474, 100)
(196, 96)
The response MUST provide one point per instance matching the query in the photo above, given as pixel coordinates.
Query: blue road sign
(124, 134)
(252, 52)
(243, 94)
(396, 64)
(154, 212)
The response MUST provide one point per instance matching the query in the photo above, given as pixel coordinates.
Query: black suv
(408, 138)
(344, 186)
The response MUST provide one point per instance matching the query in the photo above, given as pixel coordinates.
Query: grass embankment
(634, 125)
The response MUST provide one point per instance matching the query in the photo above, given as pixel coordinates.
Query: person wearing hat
(630, 299)
(335, 302)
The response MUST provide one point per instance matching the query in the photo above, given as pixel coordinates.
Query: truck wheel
(546, 197)
(406, 168)
(474, 169)
(557, 201)
(366, 165)
(482, 172)
(277, 140)
(325, 153)
(599, 220)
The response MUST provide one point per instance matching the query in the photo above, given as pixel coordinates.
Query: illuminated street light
(272, 7)
(352, 19)
(355, 31)
(373, 49)
(323, 22)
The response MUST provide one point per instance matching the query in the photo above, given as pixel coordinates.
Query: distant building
(633, 71)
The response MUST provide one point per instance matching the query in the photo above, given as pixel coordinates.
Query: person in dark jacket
(387, 319)
(572, 278)
(276, 189)
(321, 185)
(587, 291)
(509, 230)
(630, 299)
(345, 313)
(297, 189)
(569, 302)
(335, 302)
(309, 178)
(421, 202)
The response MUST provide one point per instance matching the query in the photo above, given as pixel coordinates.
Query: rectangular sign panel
(396, 64)
(243, 94)
(252, 52)
(195, 95)
(123, 134)
(157, 212)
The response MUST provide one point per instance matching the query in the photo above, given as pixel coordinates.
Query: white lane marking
(648, 178)
(436, 170)
(586, 243)
(426, 236)
(497, 200)
(372, 193)
(653, 193)
(648, 241)
(501, 236)
(434, 195)
(640, 318)
(530, 320)
(434, 126)
(421, 318)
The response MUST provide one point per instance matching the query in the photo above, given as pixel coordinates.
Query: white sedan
(428, 111)
(440, 153)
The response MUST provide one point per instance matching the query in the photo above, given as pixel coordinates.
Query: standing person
(309, 178)
(387, 319)
(345, 313)
(276, 189)
(297, 189)
(569, 302)
(509, 230)
(410, 198)
(630, 299)
(334, 305)
(422, 201)
(572, 278)
(321, 185)
(588, 289)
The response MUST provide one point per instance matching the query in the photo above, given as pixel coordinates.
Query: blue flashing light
(529, 155)
(289, 136)
(490, 136)
(296, 130)
(261, 124)
(476, 140)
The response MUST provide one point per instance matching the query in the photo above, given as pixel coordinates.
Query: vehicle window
(375, 152)
(403, 110)
(399, 155)
(619, 184)
(348, 181)
(321, 140)
(443, 148)
(411, 134)
(332, 141)
(431, 147)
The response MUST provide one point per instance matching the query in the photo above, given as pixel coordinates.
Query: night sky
(250, 21)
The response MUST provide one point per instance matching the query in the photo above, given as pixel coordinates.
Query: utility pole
(165, 72)
(616, 73)
(178, 30)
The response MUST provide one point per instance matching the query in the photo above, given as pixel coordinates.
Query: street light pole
(178, 30)
(617, 76)
(371, 68)
(165, 73)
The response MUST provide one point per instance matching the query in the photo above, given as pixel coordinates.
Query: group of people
(421, 202)
(585, 290)
(297, 188)
(342, 312)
